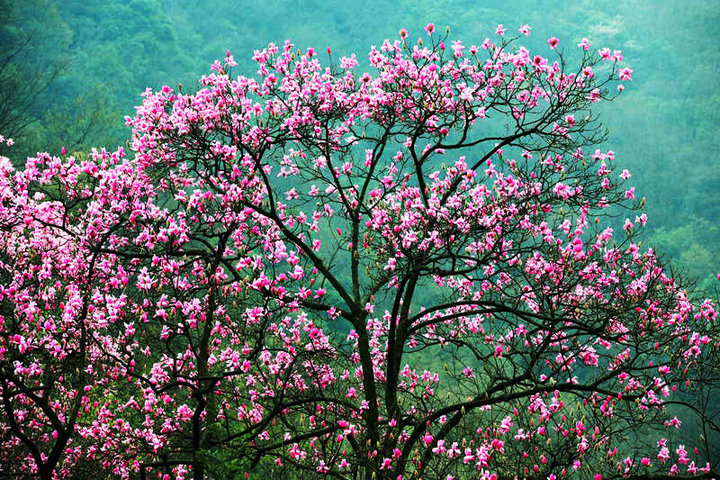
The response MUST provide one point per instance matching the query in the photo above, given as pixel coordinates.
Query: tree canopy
(423, 269)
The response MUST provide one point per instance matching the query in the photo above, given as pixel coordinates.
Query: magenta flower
(625, 74)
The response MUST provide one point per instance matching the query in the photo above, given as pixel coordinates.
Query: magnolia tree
(58, 314)
(404, 273)
(118, 331)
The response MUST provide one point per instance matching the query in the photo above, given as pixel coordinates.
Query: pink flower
(457, 48)
(230, 60)
(525, 30)
(682, 455)
(348, 63)
(453, 451)
(584, 44)
(605, 54)
(500, 30)
(674, 422)
(577, 245)
(430, 28)
(625, 74)
(403, 33)
(553, 42)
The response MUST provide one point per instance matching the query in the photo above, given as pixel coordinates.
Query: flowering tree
(50, 367)
(148, 325)
(410, 273)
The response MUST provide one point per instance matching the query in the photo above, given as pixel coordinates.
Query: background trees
(413, 271)
(40, 107)
(31, 59)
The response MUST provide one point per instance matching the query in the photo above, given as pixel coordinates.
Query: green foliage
(34, 44)
(77, 123)
(693, 248)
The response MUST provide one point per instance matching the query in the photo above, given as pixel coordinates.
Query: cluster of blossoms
(410, 271)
